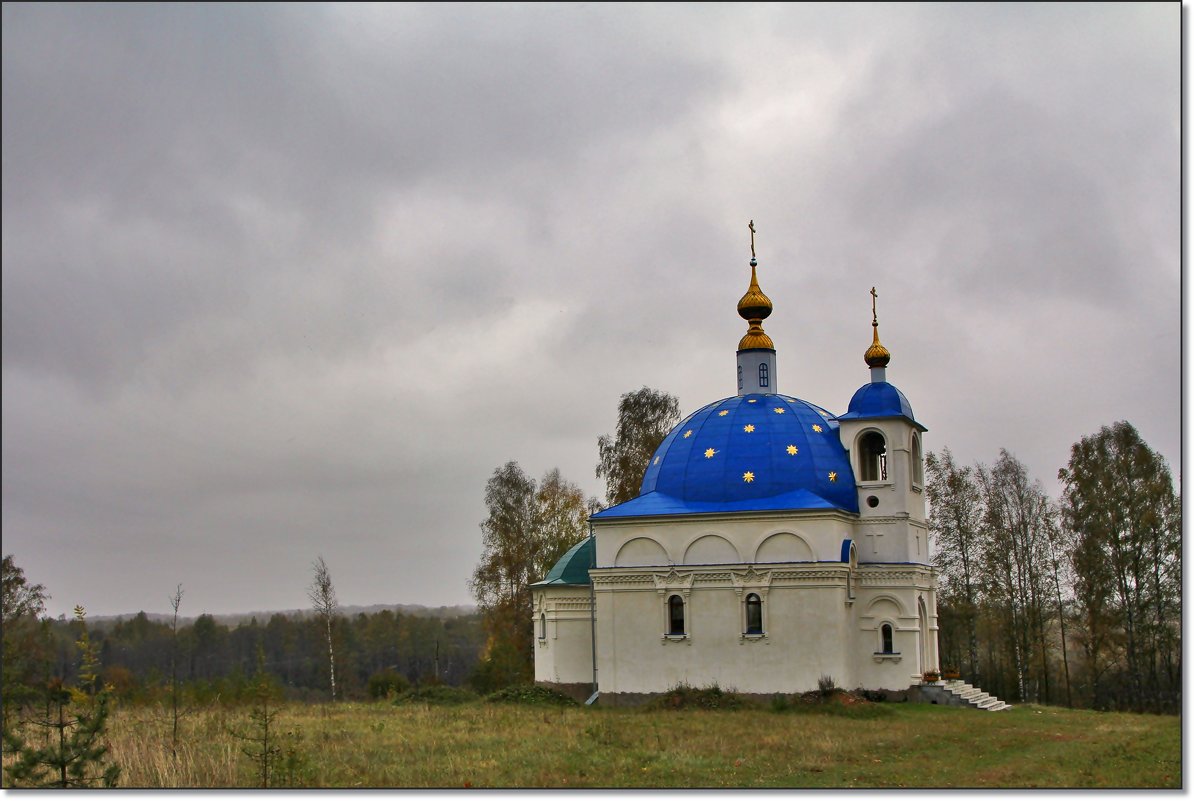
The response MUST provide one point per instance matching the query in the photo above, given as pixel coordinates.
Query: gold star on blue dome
(748, 476)
(779, 410)
(688, 433)
(793, 450)
(816, 428)
(748, 428)
(722, 413)
(709, 453)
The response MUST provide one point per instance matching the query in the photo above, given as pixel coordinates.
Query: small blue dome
(747, 453)
(879, 399)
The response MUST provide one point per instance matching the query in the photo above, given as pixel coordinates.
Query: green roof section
(573, 567)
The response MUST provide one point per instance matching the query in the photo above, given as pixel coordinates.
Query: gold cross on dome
(751, 226)
(874, 314)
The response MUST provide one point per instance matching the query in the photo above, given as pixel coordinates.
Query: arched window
(885, 634)
(918, 471)
(754, 614)
(542, 626)
(872, 456)
(675, 615)
(763, 379)
(739, 378)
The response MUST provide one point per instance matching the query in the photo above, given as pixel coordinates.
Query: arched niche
(711, 549)
(639, 552)
(885, 606)
(784, 547)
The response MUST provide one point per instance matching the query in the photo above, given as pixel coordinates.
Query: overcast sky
(282, 281)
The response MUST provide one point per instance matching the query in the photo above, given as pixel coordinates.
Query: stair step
(975, 697)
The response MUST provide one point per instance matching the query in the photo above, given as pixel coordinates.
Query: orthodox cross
(752, 238)
(874, 314)
(874, 541)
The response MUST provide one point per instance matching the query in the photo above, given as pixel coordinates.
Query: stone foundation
(578, 691)
(934, 694)
(638, 699)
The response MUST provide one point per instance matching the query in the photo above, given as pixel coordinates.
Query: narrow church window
(872, 456)
(542, 626)
(763, 380)
(918, 473)
(675, 615)
(754, 614)
(739, 378)
(850, 572)
(885, 632)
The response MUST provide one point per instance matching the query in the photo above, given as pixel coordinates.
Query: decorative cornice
(751, 578)
(706, 517)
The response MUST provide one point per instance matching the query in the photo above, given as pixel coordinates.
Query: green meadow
(480, 744)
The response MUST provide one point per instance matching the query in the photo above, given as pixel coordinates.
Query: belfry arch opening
(872, 457)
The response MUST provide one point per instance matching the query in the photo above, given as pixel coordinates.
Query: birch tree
(955, 520)
(323, 599)
(1018, 520)
(644, 418)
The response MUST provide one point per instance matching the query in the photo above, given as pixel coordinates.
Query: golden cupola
(876, 355)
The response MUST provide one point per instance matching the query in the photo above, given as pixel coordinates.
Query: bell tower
(883, 439)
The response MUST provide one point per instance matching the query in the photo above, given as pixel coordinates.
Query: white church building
(772, 543)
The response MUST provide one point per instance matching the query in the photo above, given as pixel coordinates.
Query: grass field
(496, 745)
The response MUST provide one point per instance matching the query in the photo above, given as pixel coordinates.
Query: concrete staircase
(975, 697)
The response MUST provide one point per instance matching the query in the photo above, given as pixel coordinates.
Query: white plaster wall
(566, 654)
(807, 633)
(890, 595)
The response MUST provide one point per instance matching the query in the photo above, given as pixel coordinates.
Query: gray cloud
(288, 280)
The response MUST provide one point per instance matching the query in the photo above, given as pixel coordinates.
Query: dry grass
(488, 745)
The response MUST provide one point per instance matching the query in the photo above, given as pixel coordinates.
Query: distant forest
(216, 662)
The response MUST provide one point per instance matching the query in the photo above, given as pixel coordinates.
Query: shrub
(685, 696)
(826, 685)
(531, 694)
(387, 681)
(780, 703)
(439, 694)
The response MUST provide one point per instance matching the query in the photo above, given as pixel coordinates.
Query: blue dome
(879, 399)
(747, 453)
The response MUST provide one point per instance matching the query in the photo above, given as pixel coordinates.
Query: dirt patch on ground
(842, 697)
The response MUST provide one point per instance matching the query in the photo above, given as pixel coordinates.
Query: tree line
(216, 660)
(531, 524)
(212, 661)
(1074, 601)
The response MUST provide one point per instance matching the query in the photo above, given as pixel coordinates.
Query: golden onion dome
(877, 355)
(754, 308)
(754, 305)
